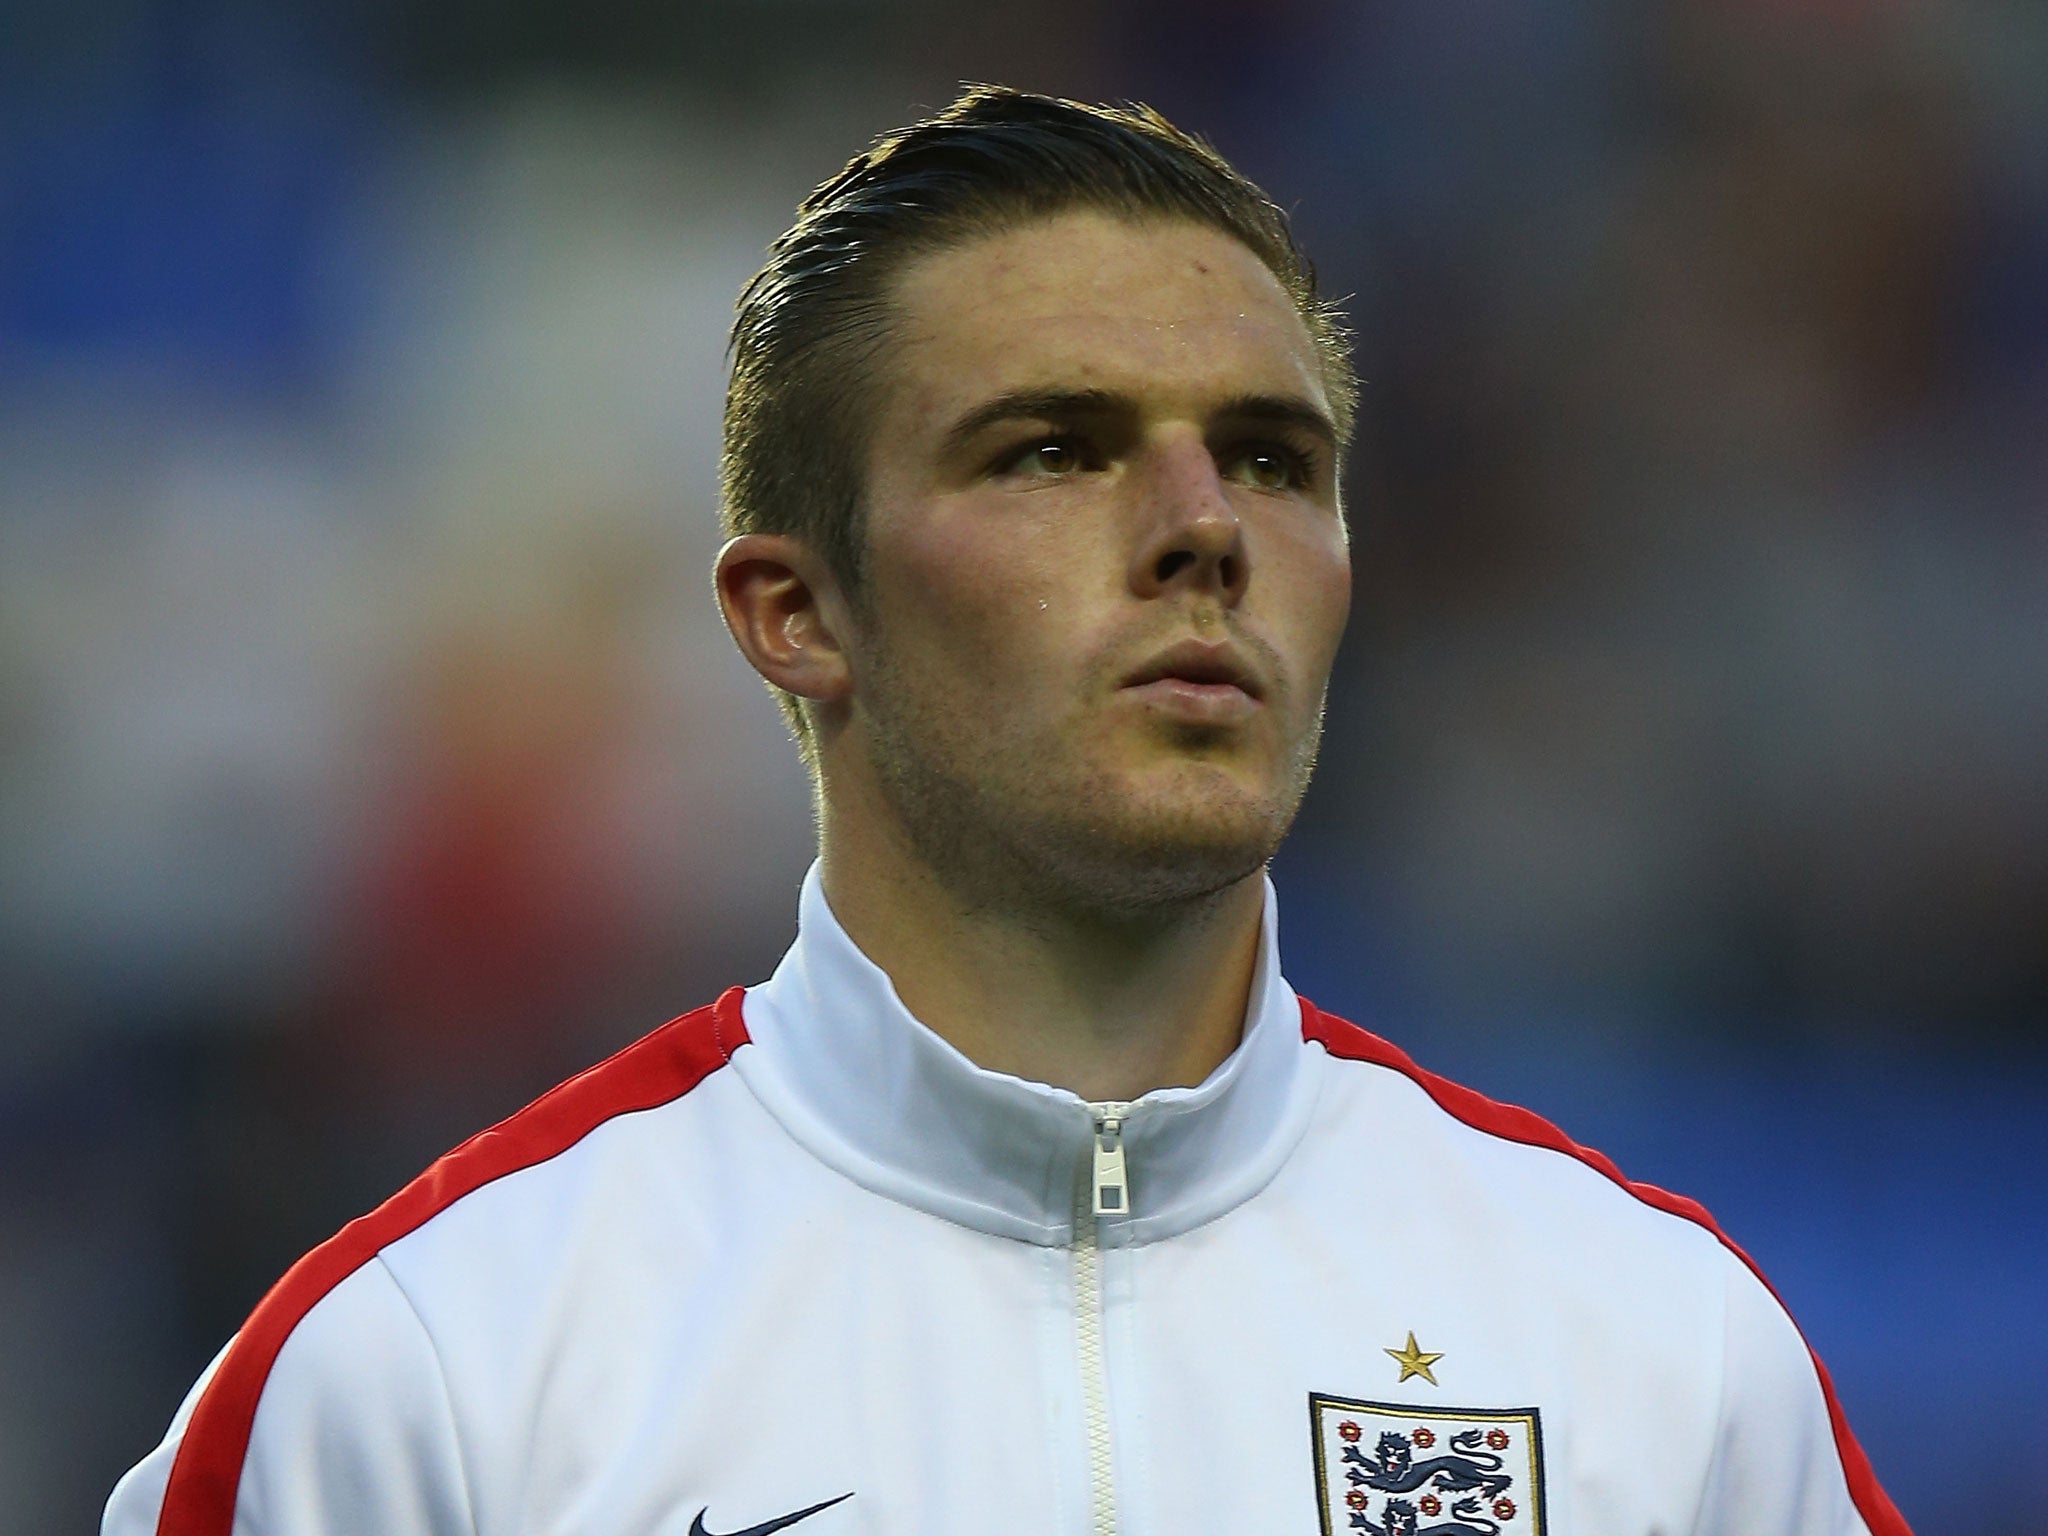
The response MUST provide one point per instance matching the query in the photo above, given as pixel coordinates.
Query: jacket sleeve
(348, 1433)
(1784, 1461)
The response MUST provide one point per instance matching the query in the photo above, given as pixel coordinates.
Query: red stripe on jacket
(654, 1070)
(1340, 1037)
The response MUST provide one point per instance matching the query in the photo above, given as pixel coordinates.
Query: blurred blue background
(371, 755)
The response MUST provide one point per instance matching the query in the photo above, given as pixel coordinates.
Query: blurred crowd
(371, 755)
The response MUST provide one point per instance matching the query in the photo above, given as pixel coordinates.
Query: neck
(1108, 1010)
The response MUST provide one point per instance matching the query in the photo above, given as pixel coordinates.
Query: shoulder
(1565, 1213)
(350, 1320)
(1506, 1135)
(1648, 1271)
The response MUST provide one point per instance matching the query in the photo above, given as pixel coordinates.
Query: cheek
(1000, 576)
(1313, 588)
(1001, 588)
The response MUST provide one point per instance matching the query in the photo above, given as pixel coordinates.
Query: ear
(786, 614)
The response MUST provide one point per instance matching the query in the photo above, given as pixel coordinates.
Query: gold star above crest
(1415, 1362)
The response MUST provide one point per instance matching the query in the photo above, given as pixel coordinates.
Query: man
(1025, 1196)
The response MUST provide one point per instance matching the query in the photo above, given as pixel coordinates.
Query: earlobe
(784, 612)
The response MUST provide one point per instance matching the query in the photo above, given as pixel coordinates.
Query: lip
(1200, 680)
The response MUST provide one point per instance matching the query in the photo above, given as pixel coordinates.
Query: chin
(1154, 851)
(1119, 835)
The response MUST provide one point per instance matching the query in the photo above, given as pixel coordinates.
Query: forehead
(1168, 311)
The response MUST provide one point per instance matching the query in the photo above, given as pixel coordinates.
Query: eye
(1050, 459)
(1047, 458)
(1270, 467)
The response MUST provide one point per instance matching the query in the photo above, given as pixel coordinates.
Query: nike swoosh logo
(765, 1529)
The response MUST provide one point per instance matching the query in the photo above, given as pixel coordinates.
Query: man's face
(1107, 569)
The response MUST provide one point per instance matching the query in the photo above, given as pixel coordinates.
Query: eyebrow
(1032, 405)
(1283, 411)
(1060, 404)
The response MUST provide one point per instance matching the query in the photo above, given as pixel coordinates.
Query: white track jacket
(793, 1263)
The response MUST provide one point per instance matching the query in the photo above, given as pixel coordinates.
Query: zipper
(1112, 1190)
(1108, 1193)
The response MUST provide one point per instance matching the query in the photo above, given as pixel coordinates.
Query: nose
(1191, 534)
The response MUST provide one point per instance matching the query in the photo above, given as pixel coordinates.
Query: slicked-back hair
(813, 325)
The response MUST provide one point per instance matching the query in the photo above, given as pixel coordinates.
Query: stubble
(1028, 823)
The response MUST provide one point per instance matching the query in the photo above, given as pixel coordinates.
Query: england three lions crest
(1395, 1469)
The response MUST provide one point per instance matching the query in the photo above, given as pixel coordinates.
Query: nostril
(1173, 562)
(1230, 570)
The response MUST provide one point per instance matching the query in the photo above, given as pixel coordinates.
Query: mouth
(1199, 679)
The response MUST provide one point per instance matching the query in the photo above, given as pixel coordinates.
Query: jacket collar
(838, 1059)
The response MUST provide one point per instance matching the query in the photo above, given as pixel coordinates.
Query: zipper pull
(1112, 1190)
